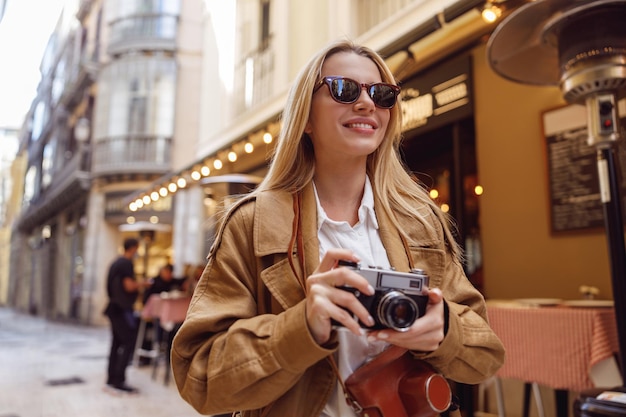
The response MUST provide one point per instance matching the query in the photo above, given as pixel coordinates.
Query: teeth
(360, 125)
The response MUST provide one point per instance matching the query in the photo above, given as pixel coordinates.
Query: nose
(364, 101)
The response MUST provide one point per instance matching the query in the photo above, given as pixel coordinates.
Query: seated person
(164, 282)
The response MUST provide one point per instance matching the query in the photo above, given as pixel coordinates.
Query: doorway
(443, 159)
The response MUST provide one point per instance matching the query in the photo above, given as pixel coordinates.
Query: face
(166, 274)
(346, 132)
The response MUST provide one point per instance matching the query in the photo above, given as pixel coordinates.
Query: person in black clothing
(164, 282)
(122, 289)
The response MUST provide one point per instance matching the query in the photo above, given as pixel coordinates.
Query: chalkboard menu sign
(572, 170)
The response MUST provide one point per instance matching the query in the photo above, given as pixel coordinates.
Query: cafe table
(567, 346)
(167, 310)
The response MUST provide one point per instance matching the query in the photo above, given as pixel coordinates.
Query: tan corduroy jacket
(245, 342)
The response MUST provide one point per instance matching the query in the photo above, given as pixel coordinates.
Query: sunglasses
(346, 90)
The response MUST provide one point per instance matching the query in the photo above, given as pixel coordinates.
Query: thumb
(434, 296)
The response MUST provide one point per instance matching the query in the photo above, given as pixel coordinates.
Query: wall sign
(572, 170)
(437, 97)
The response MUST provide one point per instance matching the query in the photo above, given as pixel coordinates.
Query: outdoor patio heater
(579, 45)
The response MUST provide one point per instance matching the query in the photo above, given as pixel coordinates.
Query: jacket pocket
(283, 284)
(432, 261)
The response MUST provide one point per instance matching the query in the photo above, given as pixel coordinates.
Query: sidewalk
(49, 369)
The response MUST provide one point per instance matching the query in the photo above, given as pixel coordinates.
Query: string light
(491, 13)
(200, 170)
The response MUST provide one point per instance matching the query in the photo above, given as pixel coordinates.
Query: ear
(307, 128)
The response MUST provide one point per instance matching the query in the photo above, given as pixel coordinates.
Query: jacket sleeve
(227, 356)
(470, 352)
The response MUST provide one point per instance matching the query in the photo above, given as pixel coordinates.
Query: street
(50, 369)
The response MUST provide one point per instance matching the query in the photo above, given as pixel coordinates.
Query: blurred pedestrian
(122, 289)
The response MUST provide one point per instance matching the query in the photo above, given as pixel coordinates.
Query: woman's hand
(425, 334)
(326, 302)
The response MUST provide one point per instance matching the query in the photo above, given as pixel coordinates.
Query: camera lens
(397, 311)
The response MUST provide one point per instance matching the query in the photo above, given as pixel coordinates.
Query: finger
(334, 255)
(349, 303)
(435, 296)
(323, 306)
(340, 277)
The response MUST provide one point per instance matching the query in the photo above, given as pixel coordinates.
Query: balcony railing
(372, 12)
(143, 33)
(254, 80)
(69, 184)
(131, 155)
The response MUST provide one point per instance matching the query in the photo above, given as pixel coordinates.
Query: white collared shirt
(364, 240)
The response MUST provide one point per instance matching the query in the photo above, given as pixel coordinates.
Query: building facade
(110, 116)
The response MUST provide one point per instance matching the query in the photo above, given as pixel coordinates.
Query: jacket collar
(273, 225)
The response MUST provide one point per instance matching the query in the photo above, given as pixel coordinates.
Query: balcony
(143, 33)
(254, 80)
(372, 12)
(131, 155)
(70, 184)
(83, 77)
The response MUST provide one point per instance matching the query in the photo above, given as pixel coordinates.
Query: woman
(261, 323)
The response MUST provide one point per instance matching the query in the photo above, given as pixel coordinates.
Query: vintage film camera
(399, 299)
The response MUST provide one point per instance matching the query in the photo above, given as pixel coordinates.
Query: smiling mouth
(360, 126)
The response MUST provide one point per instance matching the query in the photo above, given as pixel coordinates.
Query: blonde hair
(293, 161)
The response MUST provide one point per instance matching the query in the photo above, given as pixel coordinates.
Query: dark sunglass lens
(345, 90)
(383, 95)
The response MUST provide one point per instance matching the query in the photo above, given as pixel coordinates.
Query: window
(40, 117)
(47, 164)
(30, 185)
(265, 25)
(137, 97)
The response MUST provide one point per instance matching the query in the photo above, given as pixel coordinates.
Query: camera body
(399, 298)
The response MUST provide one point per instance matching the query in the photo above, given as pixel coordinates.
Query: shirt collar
(366, 209)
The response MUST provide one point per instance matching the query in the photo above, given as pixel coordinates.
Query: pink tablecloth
(168, 310)
(554, 346)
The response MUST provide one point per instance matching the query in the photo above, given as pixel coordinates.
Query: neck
(340, 195)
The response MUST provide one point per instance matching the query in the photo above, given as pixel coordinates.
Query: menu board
(572, 170)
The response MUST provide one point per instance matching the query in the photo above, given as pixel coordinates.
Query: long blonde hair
(293, 161)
